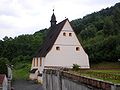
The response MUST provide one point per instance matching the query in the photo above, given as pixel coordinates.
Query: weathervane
(53, 9)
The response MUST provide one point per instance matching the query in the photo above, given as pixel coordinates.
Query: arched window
(70, 34)
(77, 49)
(57, 48)
(64, 34)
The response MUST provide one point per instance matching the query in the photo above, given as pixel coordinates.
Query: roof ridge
(50, 39)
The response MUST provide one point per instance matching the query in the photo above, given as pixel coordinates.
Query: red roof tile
(2, 76)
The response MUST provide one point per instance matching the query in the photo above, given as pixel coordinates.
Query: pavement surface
(26, 85)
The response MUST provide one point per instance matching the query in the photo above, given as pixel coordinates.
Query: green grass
(21, 71)
(106, 75)
(106, 65)
(104, 71)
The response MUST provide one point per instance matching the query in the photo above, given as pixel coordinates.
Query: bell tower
(53, 19)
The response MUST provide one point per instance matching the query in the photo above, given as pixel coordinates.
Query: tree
(89, 32)
(108, 26)
(116, 20)
(3, 67)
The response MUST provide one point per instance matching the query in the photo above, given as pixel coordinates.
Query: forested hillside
(21, 48)
(99, 34)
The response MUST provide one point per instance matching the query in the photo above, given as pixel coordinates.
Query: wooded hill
(99, 34)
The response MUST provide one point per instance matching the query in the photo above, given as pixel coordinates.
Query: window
(77, 49)
(64, 34)
(70, 34)
(57, 48)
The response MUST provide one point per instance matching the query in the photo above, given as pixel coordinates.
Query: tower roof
(53, 19)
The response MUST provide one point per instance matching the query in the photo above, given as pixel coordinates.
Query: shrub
(76, 67)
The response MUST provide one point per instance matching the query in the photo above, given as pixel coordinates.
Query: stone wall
(61, 80)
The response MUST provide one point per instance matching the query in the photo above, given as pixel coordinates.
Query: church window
(77, 49)
(70, 34)
(57, 48)
(64, 34)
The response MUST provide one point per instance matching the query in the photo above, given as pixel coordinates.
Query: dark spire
(53, 19)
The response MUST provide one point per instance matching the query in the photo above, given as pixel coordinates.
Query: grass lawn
(21, 71)
(104, 71)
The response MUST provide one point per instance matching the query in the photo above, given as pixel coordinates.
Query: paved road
(26, 85)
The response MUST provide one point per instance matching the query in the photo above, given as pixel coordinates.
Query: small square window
(70, 34)
(64, 34)
(57, 48)
(77, 49)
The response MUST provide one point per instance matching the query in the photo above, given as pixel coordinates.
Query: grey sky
(28, 16)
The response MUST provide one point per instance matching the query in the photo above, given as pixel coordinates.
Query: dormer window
(77, 49)
(70, 34)
(64, 34)
(57, 48)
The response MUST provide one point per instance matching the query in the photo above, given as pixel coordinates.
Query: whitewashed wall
(5, 84)
(67, 55)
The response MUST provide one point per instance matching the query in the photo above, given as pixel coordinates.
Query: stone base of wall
(61, 80)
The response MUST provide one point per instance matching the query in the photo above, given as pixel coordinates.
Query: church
(60, 49)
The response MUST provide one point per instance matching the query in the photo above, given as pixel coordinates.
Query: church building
(60, 49)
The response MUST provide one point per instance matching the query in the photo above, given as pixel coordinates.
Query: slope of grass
(106, 65)
(21, 71)
(104, 71)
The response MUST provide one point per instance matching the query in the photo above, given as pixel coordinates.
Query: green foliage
(22, 47)
(76, 67)
(100, 34)
(3, 67)
(21, 58)
(89, 32)
(105, 71)
(21, 71)
(108, 26)
(107, 75)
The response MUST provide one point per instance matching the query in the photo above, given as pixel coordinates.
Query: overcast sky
(28, 16)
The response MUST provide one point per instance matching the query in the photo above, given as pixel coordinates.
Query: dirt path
(26, 85)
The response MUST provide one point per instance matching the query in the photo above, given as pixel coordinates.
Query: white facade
(39, 65)
(65, 52)
(67, 55)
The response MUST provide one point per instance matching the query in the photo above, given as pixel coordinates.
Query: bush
(76, 67)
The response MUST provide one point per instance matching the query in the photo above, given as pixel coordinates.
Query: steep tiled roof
(50, 39)
(2, 76)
